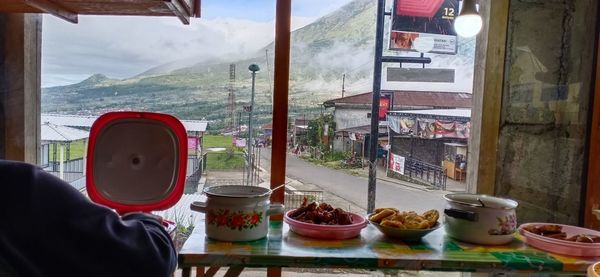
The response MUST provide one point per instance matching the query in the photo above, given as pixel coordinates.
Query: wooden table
(372, 250)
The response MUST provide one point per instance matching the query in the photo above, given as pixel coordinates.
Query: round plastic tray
(559, 246)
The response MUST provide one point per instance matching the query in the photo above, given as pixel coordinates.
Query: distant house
(355, 111)
(298, 131)
(267, 133)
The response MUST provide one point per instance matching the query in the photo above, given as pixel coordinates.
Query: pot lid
(136, 161)
(481, 200)
(237, 191)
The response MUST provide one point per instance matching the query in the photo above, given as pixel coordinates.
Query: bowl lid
(136, 161)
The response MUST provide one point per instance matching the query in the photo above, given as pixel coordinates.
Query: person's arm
(50, 229)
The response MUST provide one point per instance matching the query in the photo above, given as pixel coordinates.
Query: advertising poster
(192, 143)
(424, 26)
(397, 163)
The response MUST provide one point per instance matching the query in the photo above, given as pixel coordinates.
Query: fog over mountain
(339, 43)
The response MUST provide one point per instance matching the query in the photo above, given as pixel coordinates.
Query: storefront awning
(431, 124)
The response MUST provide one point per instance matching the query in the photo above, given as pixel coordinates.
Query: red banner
(384, 107)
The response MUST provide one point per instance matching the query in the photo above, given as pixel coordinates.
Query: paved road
(354, 188)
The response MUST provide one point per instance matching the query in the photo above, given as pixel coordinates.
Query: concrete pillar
(545, 108)
(20, 86)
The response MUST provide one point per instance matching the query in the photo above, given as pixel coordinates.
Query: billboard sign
(424, 26)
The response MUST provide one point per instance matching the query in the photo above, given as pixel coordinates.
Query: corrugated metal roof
(195, 125)
(69, 120)
(437, 112)
(87, 121)
(58, 133)
(402, 99)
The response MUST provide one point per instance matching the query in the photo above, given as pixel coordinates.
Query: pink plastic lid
(136, 161)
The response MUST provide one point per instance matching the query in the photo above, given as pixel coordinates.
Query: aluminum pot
(237, 213)
(480, 219)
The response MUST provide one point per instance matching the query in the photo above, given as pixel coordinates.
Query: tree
(315, 132)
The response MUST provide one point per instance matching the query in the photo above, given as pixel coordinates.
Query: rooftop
(87, 121)
(59, 133)
(434, 99)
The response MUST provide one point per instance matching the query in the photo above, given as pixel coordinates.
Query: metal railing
(294, 198)
(75, 165)
(432, 174)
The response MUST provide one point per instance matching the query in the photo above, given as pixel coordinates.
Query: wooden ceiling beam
(179, 10)
(54, 9)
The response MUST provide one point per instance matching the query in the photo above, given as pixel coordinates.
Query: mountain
(339, 43)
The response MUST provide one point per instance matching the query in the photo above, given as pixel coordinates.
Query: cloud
(121, 47)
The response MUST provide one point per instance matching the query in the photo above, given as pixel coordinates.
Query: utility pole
(269, 76)
(253, 68)
(343, 83)
(231, 98)
(377, 63)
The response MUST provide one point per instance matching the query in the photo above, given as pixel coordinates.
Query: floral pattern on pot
(506, 225)
(233, 220)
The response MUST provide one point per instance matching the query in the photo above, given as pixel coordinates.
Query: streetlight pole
(253, 68)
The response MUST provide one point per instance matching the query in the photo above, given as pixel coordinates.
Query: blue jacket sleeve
(47, 228)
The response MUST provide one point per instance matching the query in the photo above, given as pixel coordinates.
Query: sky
(125, 46)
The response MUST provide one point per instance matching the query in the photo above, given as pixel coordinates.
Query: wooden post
(487, 97)
(280, 98)
(592, 190)
(20, 86)
(280, 105)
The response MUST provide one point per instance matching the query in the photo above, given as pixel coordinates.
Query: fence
(294, 198)
(432, 174)
(68, 166)
(194, 166)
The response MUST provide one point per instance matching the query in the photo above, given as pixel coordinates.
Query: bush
(335, 156)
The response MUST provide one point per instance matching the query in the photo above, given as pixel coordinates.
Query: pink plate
(563, 247)
(327, 231)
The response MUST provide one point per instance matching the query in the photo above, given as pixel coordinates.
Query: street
(354, 188)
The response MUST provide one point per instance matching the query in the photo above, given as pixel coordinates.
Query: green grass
(76, 150)
(217, 141)
(224, 161)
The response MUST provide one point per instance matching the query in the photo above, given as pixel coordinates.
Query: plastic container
(136, 161)
(558, 246)
(329, 232)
